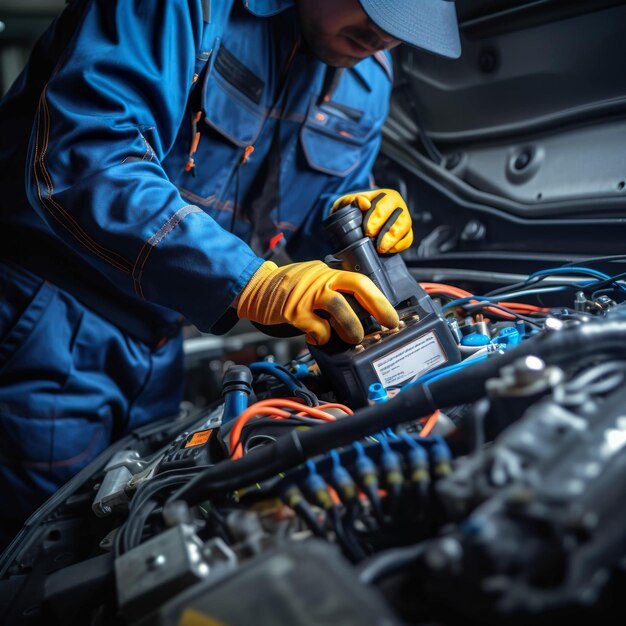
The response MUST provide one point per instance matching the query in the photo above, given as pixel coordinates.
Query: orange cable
(273, 408)
(430, 424)
(518, 307)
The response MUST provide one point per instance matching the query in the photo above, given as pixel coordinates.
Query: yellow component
(295, 293)
(293, 497)
(324, 499)
(442, 469)
(191, 617)
(394, 478)
(349, 492)
(387, 217)
(420, 475)
(370, 479)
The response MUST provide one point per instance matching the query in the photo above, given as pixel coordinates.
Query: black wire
(247, 435)
(597, 259)
(524, 284)
(537, 279)
(530, 287)
(389, 562)
(600, 292)
(294, 421)
(492, 305)
(606, 283)
(139, 510)
(348, 542)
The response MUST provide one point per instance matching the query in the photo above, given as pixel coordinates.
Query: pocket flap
(333, 138)
(234, 112)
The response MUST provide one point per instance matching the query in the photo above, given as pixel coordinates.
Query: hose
(558, 347)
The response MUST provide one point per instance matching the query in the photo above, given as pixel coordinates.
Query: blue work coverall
(150, 153)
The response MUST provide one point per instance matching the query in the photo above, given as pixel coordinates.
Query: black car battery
(392, 357)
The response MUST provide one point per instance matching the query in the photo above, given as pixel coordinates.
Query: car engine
(465, 467)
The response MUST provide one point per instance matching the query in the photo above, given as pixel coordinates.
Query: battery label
(408, 363)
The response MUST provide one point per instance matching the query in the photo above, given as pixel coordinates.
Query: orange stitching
(72, 226)
(77, 231)
(36, 160)
(150, 244)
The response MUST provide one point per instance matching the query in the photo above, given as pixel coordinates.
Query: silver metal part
(157, 570)
(525, 377)
(119, 472)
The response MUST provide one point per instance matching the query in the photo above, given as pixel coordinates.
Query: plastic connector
(419, 476)
(236, 390)
(394, 478)
(293, 497)
(475, 339)
(342, 482)
(318, 488)
(441, 458)
(376, 394)
(368, 478)
(507, 338)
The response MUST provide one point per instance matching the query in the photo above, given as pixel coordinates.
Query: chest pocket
(232, 100)
(333, 137)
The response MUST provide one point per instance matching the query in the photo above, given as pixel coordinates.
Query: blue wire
(391, 434)
(444, 371)
(384, 444)
(575, 270)
(569, 270)
(359, 449)
(547, 272)
(458, 301)
(412, 443)
(275, 370)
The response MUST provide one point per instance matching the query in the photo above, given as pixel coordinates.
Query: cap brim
(428, 24)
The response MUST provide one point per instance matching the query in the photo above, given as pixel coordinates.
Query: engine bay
(466, 467)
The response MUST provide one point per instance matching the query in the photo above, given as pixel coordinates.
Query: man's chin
(342, 61)
(333, 58)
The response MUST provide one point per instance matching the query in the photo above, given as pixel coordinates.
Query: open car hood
(513, 156)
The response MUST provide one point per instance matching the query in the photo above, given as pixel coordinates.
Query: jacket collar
(265, 8)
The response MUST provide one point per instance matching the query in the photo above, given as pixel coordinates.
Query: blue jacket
(138, 140)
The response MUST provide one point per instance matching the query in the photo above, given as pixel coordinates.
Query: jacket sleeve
(109, 114)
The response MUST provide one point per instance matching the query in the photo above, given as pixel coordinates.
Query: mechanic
(153, 154)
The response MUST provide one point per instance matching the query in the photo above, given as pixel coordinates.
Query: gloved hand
(294, 292)
(387, 218)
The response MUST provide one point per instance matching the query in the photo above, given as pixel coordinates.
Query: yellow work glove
(293, 293)
(387, 218)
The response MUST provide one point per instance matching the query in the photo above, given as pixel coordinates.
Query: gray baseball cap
(428, 24)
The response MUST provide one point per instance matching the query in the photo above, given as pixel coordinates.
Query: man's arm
(109, 114)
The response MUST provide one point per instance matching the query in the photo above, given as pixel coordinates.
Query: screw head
(155, 561)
